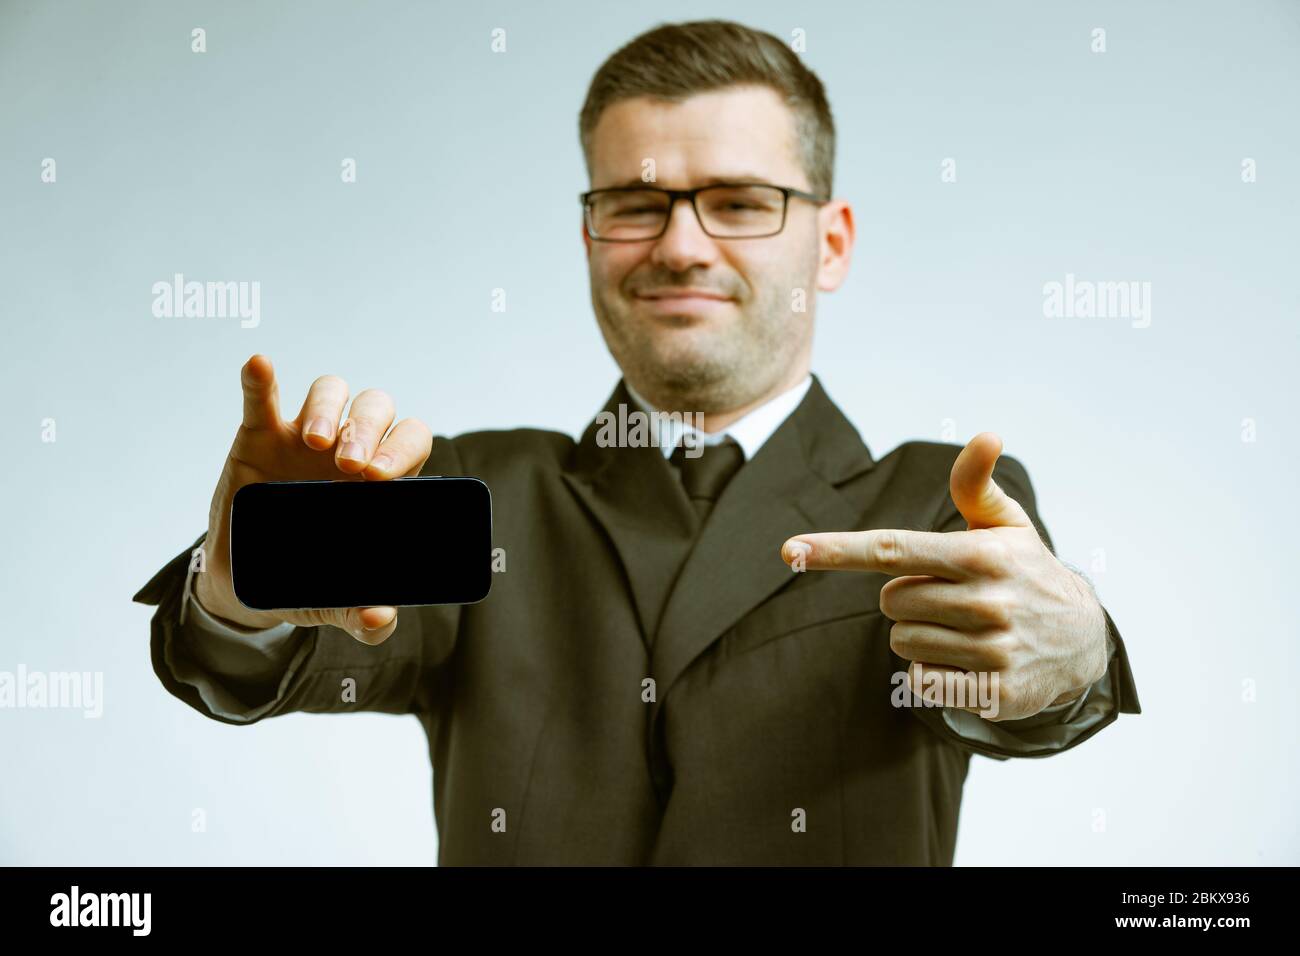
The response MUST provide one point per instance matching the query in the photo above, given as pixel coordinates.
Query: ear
(586, 239)
(836, 233)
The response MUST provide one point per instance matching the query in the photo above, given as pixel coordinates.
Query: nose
(684, 243)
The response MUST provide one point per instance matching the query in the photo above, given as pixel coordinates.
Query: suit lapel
(637, 498)
(735, 564)
(789, 487)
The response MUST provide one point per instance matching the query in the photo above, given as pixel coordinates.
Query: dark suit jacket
(772, 689)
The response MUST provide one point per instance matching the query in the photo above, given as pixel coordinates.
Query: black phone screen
(330, 544)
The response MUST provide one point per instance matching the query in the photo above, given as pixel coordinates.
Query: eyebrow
(737, 178)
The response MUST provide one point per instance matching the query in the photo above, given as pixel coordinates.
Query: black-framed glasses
(723, 210)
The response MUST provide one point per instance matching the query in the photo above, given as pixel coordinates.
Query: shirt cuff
(210, 624)
(1052, 728)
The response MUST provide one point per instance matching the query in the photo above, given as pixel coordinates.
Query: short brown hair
(677, 60)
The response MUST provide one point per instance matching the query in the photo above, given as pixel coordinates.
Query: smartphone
(297, 545)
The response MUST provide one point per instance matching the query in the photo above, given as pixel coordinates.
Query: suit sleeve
(243, 678)
(1057, 728)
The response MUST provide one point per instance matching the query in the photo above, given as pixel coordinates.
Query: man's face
(698, 323)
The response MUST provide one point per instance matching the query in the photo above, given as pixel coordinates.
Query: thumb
(369, 625)
(977, 496)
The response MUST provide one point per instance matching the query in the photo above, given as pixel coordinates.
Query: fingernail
(320, 427)
(793, 548)
(376, 627)
(353, 451)
(382, 463)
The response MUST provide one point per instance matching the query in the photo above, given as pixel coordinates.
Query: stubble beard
(706, 370)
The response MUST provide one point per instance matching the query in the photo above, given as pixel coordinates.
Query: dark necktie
(705, 476)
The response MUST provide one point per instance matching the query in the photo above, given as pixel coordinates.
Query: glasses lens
(740, 211)
(628, 214)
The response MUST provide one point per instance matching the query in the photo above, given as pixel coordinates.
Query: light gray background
(225, 166)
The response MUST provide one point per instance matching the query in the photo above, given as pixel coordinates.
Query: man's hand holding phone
(319, 444)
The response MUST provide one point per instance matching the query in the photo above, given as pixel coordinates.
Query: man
(649, 682)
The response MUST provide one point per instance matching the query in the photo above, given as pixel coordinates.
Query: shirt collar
(750, 431)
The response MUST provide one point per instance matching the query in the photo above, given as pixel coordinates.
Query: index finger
(261, 393)
(941, 554)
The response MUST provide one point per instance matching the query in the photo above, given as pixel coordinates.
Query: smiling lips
(683, 300)
(682, 293)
